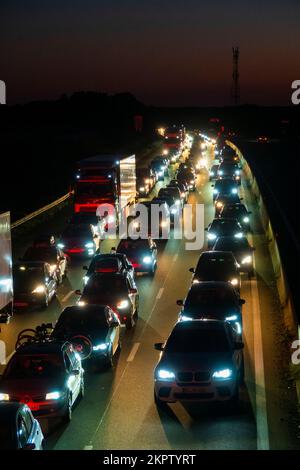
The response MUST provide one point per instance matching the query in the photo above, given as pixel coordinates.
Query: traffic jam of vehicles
(202, 358)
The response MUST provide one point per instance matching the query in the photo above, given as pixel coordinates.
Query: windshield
(48, 254)
(77, 231)
(130, 246)
(216, 263)
(198, 340)
(234, 211)
(224, 225)
(28, 278)
(106, 285)
(232, 244)
(34, 366)
(94, 189)
(76, 322)
(200, 298)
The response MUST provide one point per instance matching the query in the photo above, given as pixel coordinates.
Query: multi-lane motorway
(118, 410)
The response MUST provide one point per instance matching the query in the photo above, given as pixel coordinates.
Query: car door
(34, 429)
(114, 331)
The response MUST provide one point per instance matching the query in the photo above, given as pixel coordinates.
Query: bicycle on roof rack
(43, 334)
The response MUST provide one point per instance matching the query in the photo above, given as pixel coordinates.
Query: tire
(68, 414)
(162, 405)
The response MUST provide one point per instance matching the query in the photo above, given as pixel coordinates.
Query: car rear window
(34, 366)
(198, 341)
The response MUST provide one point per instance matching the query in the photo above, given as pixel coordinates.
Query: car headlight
(147, 259)
(89, 245)
(219, 205)
(162, 168)
(160, 173)
(4, 397)
(165, 374)
(211, 236)
(100, 347)
(246, 220)
(123, 304)
(142, 189)
(220, 172)
(185, 318)
(247, 260)
(60, 245)
(39, 290)
(234, 191)
(53, 396)
(215, 191)
(222, 374)
(192, 181)
(234, 281)
(165, 152)
(85, 279)
(237, 172)
(238, 235)
(231, 318)
(177, 201)
(81, 303)
(53, 267)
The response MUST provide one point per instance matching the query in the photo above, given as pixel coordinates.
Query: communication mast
(235, 90)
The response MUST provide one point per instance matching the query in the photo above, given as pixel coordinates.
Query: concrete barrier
(285, 298)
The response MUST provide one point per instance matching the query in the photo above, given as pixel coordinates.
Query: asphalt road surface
(118, 410)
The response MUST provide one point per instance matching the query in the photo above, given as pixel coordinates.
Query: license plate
(194, 390)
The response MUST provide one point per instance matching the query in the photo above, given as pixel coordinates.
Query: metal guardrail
(41, 210)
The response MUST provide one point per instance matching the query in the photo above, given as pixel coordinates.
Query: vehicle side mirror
(75, 372)
(242, 301)
(238, 345)
(179, 302)
(77, 292)
(85, 268)
(159, 346)
(29, 446)
(192, 270)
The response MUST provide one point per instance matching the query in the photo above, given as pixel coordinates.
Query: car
(223, 227)
(237, 211)
(108, 263)
(52, 255)
(19, 430)
(173, 208)
(217, 266)
(214, 300)
(47, 376)
(96, 224)
(183, 189)
(230, 170)
(188, 177)
(262, 139)
(222, 200)
(119, 291)
(96, 322)
(163, 163)
(201, 361)
(187, 166)
(144, 181)
(158, 169)
(241, 249)
(213, 172)
(141, 252)
(79, 240)
(157, 223)
(224, 186)
(174, 191)
(34, 284)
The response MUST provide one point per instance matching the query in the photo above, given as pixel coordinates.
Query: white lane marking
(88, 448)
(66, 297)
(260, 385)
(175, 257)
(133, 352)
(160, 292)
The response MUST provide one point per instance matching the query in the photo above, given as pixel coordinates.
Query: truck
(105, 179)
(6, 279)
(173, 139)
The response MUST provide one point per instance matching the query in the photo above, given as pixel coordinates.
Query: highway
(118, 410)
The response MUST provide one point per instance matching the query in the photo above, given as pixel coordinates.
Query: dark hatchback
(142, 254)
(109, 263)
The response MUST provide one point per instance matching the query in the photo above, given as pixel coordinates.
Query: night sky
(164, 52)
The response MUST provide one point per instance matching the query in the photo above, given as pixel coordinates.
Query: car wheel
(68, 414)
(162, 405)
